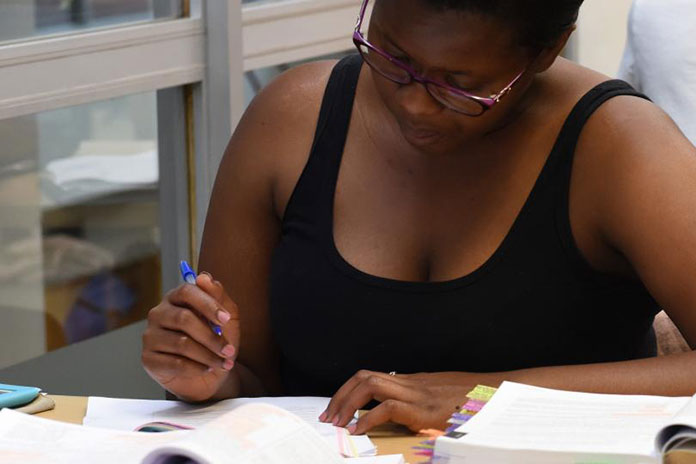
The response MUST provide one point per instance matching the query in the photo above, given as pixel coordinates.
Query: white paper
(140, 168)
(252, 434)
(385, 459)
(532, 418)
(29, 439)
(126, 414)
(682, 429)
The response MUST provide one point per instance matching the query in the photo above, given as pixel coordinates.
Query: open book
(134, 414)
(251, 434)
(525, 424)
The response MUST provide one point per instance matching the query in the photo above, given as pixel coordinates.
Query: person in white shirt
(660, 57)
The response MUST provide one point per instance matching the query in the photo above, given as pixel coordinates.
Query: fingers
(182, 345)
(211, 286)
(199, 300)
(180, 351)
(359, 390)
(330, 414)
(388, 411)
(215, 289)
(374, 388)
(187, 323)
(166, 368)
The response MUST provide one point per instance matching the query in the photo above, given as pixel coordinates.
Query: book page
(126, 414)
(254, 433)
(29, 439)
(251, 434)
(525, 417)
(680, 430)
(385, 459)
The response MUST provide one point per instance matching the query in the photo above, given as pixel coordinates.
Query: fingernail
(335, 421)
(351, 428)
(206, 273)
(322, 417)
(228, 364)
(228, 350)
(223, 317)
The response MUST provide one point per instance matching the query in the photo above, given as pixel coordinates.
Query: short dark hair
(539, 23)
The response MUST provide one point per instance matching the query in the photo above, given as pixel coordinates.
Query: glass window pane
(22, 19)
(79, 234)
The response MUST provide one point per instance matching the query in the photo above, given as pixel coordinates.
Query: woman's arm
(268, 151)
(260, 167)
(421, 401)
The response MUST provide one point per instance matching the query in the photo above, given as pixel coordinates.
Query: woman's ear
(548, 55)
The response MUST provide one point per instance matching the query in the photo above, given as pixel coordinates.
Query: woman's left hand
(418, 401)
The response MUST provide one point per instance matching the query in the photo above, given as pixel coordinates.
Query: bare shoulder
(273, 139)
(624, 134)
(629, 133)
(295, 93)
(631, 161)
(635, 173)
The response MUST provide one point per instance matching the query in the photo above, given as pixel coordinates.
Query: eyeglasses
(397, 71)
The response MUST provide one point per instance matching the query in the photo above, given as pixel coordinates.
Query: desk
(389, 439)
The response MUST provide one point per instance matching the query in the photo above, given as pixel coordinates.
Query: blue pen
(190, 277)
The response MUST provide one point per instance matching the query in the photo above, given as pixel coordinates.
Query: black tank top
(535, 302)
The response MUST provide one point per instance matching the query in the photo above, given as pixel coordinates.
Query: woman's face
(475, 53)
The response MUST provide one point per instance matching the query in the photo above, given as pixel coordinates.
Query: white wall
(601, 34)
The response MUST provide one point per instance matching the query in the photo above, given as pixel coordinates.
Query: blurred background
(113, 118)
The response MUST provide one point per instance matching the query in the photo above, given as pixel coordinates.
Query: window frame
(206, 53)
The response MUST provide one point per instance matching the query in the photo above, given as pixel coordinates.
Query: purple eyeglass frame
(485, 102)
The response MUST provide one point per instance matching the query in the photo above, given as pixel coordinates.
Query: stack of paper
(526, 424)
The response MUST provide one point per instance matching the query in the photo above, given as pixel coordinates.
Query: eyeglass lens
(391, 71)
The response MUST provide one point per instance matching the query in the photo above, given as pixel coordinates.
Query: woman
(384, 232)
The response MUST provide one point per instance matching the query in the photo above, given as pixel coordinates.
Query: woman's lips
(421, 135)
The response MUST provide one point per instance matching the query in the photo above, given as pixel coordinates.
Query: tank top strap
(329, 139)
(562, 157)
(567, 141)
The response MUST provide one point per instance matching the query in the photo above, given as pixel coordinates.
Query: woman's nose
(415, 99)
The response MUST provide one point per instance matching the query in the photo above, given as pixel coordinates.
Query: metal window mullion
(52, 73)
(218, 102)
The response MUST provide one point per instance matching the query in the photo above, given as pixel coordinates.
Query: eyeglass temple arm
(507, 89)
(361, 16)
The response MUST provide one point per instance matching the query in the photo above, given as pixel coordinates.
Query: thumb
(215, 289)
(211, 286)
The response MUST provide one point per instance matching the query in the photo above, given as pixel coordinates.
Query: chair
(669, 339)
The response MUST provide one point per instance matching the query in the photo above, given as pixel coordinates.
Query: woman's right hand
(180, 350)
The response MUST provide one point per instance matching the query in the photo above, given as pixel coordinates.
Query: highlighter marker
(190, 278)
